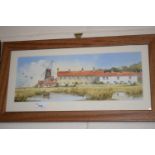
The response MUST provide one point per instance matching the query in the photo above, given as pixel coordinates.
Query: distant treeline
(132, 68)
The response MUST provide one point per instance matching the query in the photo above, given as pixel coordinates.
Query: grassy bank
(92, 92)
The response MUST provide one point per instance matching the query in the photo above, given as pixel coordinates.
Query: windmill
(47, 73)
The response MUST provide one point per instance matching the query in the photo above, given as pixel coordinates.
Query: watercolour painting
(80, 79)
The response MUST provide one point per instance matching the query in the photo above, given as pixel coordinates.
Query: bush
(133, 84)
(20, 98)
(57, 85)
(66, 85)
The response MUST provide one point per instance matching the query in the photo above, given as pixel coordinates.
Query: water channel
(57, 97)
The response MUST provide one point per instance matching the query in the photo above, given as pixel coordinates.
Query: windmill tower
(49, 75)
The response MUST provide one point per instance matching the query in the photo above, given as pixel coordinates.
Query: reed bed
(92, 92)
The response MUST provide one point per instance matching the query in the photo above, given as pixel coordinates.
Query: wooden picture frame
(0, 52)
(56, 116)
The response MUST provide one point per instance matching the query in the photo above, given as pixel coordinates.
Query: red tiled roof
(95, 73)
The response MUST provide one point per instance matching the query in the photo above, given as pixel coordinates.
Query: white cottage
(120, 77)
(96, 76)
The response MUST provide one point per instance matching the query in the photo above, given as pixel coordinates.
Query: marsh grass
(92, 92)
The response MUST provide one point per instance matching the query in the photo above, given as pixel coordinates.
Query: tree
(132, 68)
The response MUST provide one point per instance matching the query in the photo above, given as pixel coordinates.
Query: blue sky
(31, 69)
(101, 61)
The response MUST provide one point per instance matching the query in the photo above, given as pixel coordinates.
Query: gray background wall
(36, 33)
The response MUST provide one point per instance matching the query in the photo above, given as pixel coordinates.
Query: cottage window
(117, 77)
(107, 77)
(130, 77)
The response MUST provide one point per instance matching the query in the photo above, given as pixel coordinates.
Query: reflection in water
(56, 97)
(123, 96)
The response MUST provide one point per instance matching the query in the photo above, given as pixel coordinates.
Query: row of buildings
(72, 78)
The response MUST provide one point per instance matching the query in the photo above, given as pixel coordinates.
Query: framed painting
(88, 79)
